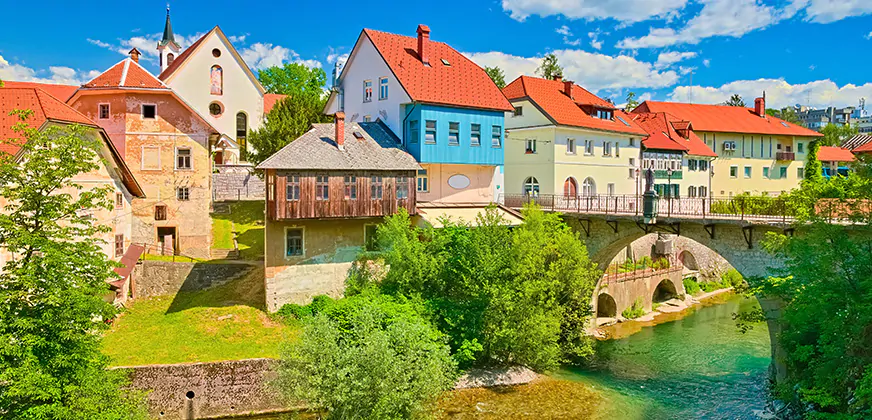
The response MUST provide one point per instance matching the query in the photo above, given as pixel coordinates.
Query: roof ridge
(63, 104)
(124, 72)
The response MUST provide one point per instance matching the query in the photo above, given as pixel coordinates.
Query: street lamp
(669, 188)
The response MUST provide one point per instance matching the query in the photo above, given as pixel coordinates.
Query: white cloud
(827, 11)
(260, 56)
(733, 18)
(706, 62)
(594, 42)
(869, 36)
(779, 93)
(567, 36)
(591, 70)
(564, 30)
(667, 59)
(54, 74)
(623, 11)
(146, 44)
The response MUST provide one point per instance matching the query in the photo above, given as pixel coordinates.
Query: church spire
(168, 48)
(168, 31)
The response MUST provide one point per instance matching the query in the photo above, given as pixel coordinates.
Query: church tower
(168, 48)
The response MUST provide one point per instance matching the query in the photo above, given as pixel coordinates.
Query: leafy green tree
(835, 134)
(368, 356)
(549, 68)
(735, 100)
(295, 79)
(632, 102)
(813, 167)
(786, 114)
(52, 310)
(289, 119)
(496, 74)
(501, 296)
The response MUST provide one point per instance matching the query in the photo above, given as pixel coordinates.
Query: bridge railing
(739, 207)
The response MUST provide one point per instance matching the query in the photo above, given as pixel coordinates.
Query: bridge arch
(665, 290)
(606, 306)
(688, 260)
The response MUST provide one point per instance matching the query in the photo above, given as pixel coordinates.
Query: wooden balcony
(785, 156)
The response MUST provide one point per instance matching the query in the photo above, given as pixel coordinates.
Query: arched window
(216, 80)
(531, 186)
(588, 187)
(241, 129)
(170, 58)
(570, 187)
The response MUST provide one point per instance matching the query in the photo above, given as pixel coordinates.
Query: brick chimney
(760, 106)
(558, 77)
(134, 54)
(424, 43)
(339, 133)
(567, 88)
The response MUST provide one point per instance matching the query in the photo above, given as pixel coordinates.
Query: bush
(691, 286)
(367, 356)
(732, 278)
(634, 311)
(294, 311)
(711, 286)
(661, 264)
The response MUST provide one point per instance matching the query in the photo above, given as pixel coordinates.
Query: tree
(835, 134)
(52, 310)
(786, 114)
(549, 68)
(368, 356)
(294, 79)
(289, 119)
(735, 100)
(496, 74)
(631, 101)
(813, 167)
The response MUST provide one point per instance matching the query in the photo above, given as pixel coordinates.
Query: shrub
(634, 311)
(732, 278)
(644, 262)
(660, 264)
(367, 356)
(711, 286)
(691, 286)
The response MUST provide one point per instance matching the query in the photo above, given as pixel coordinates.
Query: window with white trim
(104, 112)
(293, 242)
(570, 146)
(475, 134)
(588, 147)
(530, 146)
(183, 193)
(496, 136)
(382, 88)
(607, 149)
(453, 133)
(430, 132)
(183, 158)
(367, 90)
(423, 181)
(402, 187)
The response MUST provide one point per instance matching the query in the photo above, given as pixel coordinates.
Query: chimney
(760, 107)
(339, 134)
(424, 43)
(134, 54)
(567, 88)
(558, 77)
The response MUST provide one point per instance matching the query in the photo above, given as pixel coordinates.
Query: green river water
(697, 366)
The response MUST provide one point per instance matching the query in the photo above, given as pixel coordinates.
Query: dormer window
(445, 62)
(603, 114)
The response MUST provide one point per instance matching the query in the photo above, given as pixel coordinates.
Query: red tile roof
(44, 106)
(550, 97)
(864, 148)
(726, 119)
(61, 92)
(459, 83)
(835, 154)
(270, 100)
(127, 73)
(663, 129)
(177, 62)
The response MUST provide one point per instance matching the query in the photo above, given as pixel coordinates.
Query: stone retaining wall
(235, 186)
(300, 283)
(159, 278)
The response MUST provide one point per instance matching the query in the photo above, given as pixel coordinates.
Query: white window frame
(570, 147)
(426, 177)
(588, 148)
(367, 98)
(382, 88)
(142, 159)
(435, 131)
(767, 173)
(176, 158)
(529, 146)
(748, 171)
(736, 167)
(607, 148)
(142, 111)
(617, 149)
(456, 132)
(108, 111)
(187, 193)
(498, 137)
(473, 140)
(302, 229)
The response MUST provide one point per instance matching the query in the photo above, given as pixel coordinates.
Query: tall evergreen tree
(496, 74)
(735, 100)
(549, 68)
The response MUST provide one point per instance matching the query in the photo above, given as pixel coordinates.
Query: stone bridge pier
(738, 242)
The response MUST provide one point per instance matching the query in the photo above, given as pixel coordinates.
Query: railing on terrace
(739, 207)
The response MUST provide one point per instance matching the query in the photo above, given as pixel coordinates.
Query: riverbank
(668, 311)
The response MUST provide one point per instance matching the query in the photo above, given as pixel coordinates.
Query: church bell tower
(168, 48)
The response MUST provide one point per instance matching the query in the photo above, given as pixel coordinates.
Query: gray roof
(857, 141)
(377, 149)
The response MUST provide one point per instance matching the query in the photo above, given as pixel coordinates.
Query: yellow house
(563, 140)
(757, 153)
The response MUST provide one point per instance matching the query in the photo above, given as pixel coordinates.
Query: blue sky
(814, 52)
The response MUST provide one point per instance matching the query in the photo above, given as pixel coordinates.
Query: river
(699, 366)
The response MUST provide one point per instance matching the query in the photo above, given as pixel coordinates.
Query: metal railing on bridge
(741, 207)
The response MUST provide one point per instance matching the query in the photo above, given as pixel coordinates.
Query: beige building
(167, 146)
(757, 153)
(563, 140)
(111, 170)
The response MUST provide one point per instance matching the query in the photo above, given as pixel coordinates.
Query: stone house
(167, 144)
(112, 171)
(326, 192)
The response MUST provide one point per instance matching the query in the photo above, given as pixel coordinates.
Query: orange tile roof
(44, 106)
(127, 74)
(864, 148)
(835, 154)
(664, 127)
(61, 92)
(270, 100)
(460, 83)
(549, 96)
(177, 62)
(726, 119)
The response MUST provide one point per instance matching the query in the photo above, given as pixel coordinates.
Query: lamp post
(650, 199)
(669, 188)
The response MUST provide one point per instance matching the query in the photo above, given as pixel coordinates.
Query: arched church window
(216, 80)
(170, 58)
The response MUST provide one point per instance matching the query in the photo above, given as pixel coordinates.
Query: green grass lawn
(222, 323)
(246, 220)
